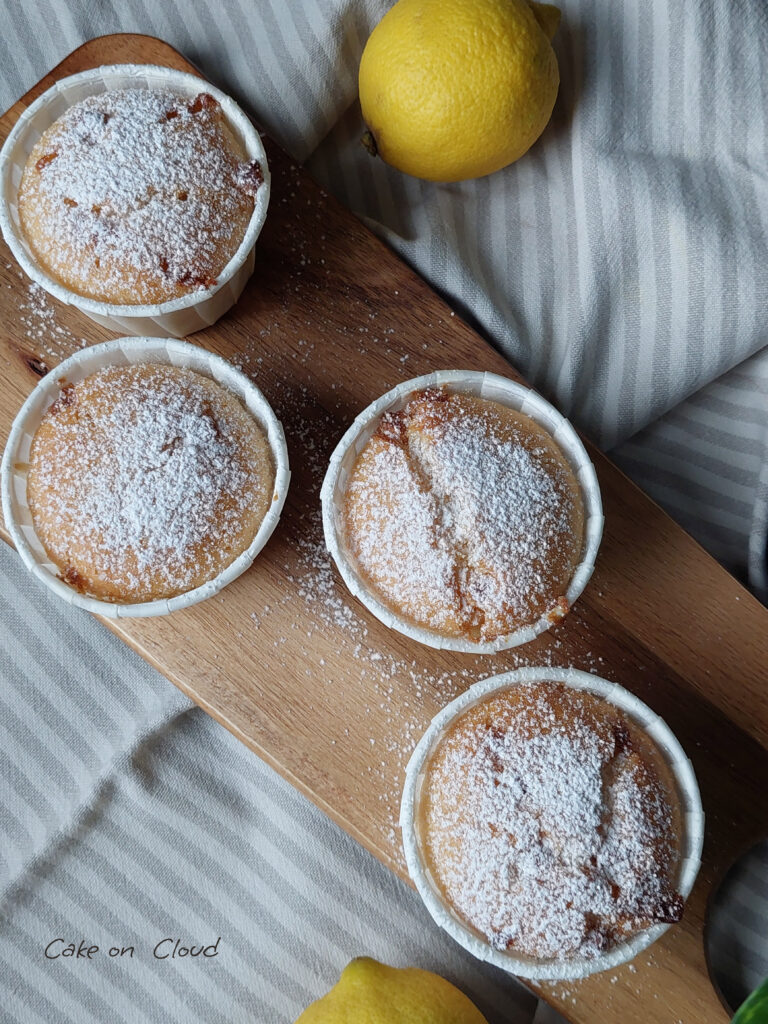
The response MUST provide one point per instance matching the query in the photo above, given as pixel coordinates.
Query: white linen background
(621, 266)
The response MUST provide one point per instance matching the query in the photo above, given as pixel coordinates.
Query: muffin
(146, 481)
(137, 196)
(464, 517)
(551, 823)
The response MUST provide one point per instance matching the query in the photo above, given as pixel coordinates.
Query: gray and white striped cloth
(621, 267)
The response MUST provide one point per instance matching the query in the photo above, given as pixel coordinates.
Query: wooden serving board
(302, 674)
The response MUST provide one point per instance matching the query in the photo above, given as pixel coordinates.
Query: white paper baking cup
(126, 352)
(499, 389)
(442, 912)
(177, 317)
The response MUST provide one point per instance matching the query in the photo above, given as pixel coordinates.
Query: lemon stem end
(548, 17)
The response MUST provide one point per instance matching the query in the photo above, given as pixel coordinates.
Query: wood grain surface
(302, 674)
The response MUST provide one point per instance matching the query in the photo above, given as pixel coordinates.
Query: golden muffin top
(551, 823)
(464, 516)
(137, 196)
(146, 481)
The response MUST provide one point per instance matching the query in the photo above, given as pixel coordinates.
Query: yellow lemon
(455, 89)
(372, 993)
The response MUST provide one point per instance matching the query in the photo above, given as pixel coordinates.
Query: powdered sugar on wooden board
(39, 320)
(546, 831)
(137, 189)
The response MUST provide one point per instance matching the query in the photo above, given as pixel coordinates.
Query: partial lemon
(455, 89)
(372, 993)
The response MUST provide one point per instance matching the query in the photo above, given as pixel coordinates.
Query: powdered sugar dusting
(546, 827)
(401, 543)
(137, 195)
(140, 474)
(464, 520)
(41, 326)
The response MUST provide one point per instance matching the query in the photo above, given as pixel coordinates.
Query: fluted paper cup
(127, 352)
(177, 317)
(485, 385)
(444, 914)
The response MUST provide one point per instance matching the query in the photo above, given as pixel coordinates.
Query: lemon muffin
(551, 823)
(147, 481)
(137, 196)
(464, 517)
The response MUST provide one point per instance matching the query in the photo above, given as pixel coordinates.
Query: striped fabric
(106, 839)
(620, 265)
(706, 462)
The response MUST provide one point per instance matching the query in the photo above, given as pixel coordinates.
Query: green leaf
(755, 1009)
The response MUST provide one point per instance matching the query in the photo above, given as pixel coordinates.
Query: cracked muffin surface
(464, 516)
(551, 823)
(138, 196)
(147, 481)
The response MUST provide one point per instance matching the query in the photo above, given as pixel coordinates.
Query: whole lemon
(455, 89)
(372, 993)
